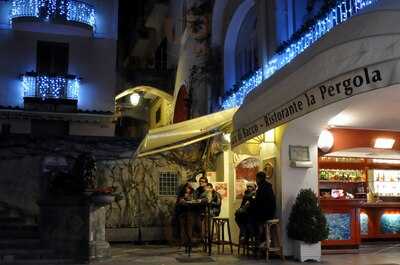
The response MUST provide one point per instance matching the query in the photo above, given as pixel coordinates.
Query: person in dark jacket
(264, 206)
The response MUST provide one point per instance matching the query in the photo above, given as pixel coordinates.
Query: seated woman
(242, 213)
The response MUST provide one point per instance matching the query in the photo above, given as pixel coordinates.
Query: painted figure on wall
(246, 172)
(194, 56)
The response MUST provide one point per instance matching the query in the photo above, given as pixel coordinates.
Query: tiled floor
(372, 254)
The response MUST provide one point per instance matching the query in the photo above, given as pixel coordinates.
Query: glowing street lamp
(135, 98)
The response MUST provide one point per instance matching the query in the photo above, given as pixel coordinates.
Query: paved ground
(373, 254)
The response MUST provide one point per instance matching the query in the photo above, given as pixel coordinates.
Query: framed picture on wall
(299, 153)
(246, 172)
(222, 189)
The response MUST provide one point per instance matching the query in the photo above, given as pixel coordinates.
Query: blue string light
(342, 12)
(71, 10)
(43, 86)
(80, 12)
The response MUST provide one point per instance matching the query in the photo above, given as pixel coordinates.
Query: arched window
(246, 52)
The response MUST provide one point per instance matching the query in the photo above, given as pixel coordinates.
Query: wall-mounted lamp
(227, 137)
(325, 141)
(135, 98)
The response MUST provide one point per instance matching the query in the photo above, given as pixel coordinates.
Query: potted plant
(307, 226)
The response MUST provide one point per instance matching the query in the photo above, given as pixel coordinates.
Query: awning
(358, 56)
(186, 133)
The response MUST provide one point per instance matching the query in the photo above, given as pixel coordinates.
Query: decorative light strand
(71, 10)
(43, 86)
(342, 12)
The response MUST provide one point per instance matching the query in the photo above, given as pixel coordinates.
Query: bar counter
(380, 220)
(352, 221)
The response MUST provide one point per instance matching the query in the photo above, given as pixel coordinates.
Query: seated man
(264, 206)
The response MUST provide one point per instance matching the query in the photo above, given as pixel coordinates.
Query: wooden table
(198, 206)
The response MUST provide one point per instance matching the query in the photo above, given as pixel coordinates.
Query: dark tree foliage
(307, 222)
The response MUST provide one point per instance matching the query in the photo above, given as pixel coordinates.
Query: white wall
(294, 179)
(230, 43)
(91, 129)
(91, 59)
(106, 18)
(18, 126)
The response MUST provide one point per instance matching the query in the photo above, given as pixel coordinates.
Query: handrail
(50, 86)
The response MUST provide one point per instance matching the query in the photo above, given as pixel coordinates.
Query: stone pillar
(99, 248)
(74, 227)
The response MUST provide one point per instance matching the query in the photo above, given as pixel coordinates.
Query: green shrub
(307, 222)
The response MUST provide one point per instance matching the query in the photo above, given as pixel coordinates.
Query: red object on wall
(181, 112)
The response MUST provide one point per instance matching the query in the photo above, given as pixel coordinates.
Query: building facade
(58, 67)
(293, 69)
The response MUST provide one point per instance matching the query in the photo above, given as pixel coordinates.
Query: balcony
(50, 87)
(55, 10)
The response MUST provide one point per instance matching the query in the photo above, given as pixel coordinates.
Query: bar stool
(205, 232)
(273, 239)
(219, 225)
(247, 245)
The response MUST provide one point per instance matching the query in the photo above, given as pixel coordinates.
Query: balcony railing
(50, 87)
(342, 11)
(69, 10)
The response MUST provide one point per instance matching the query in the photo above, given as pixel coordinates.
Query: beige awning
(186, 133)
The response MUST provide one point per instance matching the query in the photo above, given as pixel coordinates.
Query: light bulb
(135, 98)
(325, 141)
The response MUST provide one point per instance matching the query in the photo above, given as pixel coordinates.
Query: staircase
(20, 239)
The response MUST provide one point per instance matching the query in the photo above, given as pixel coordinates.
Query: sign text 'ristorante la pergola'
(334, 90)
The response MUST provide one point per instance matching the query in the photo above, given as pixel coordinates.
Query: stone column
(74, 227)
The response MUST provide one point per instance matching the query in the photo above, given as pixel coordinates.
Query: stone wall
(137, 201)
(23, 180)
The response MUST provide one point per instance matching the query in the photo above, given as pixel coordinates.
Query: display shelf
(340, 181)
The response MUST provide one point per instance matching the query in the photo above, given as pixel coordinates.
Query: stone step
(8, 213)
(12, 261)
(18, 234)
(27, 253)
(18, 227)
(21, 243)
(3, 206)
(12, 220)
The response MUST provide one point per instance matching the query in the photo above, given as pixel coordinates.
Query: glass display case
(384, 183)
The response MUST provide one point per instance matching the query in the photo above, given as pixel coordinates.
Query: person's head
(250, 187)
(188, 188)
(260, 177)
(209, 187)
(185, 189)
(203, 181)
